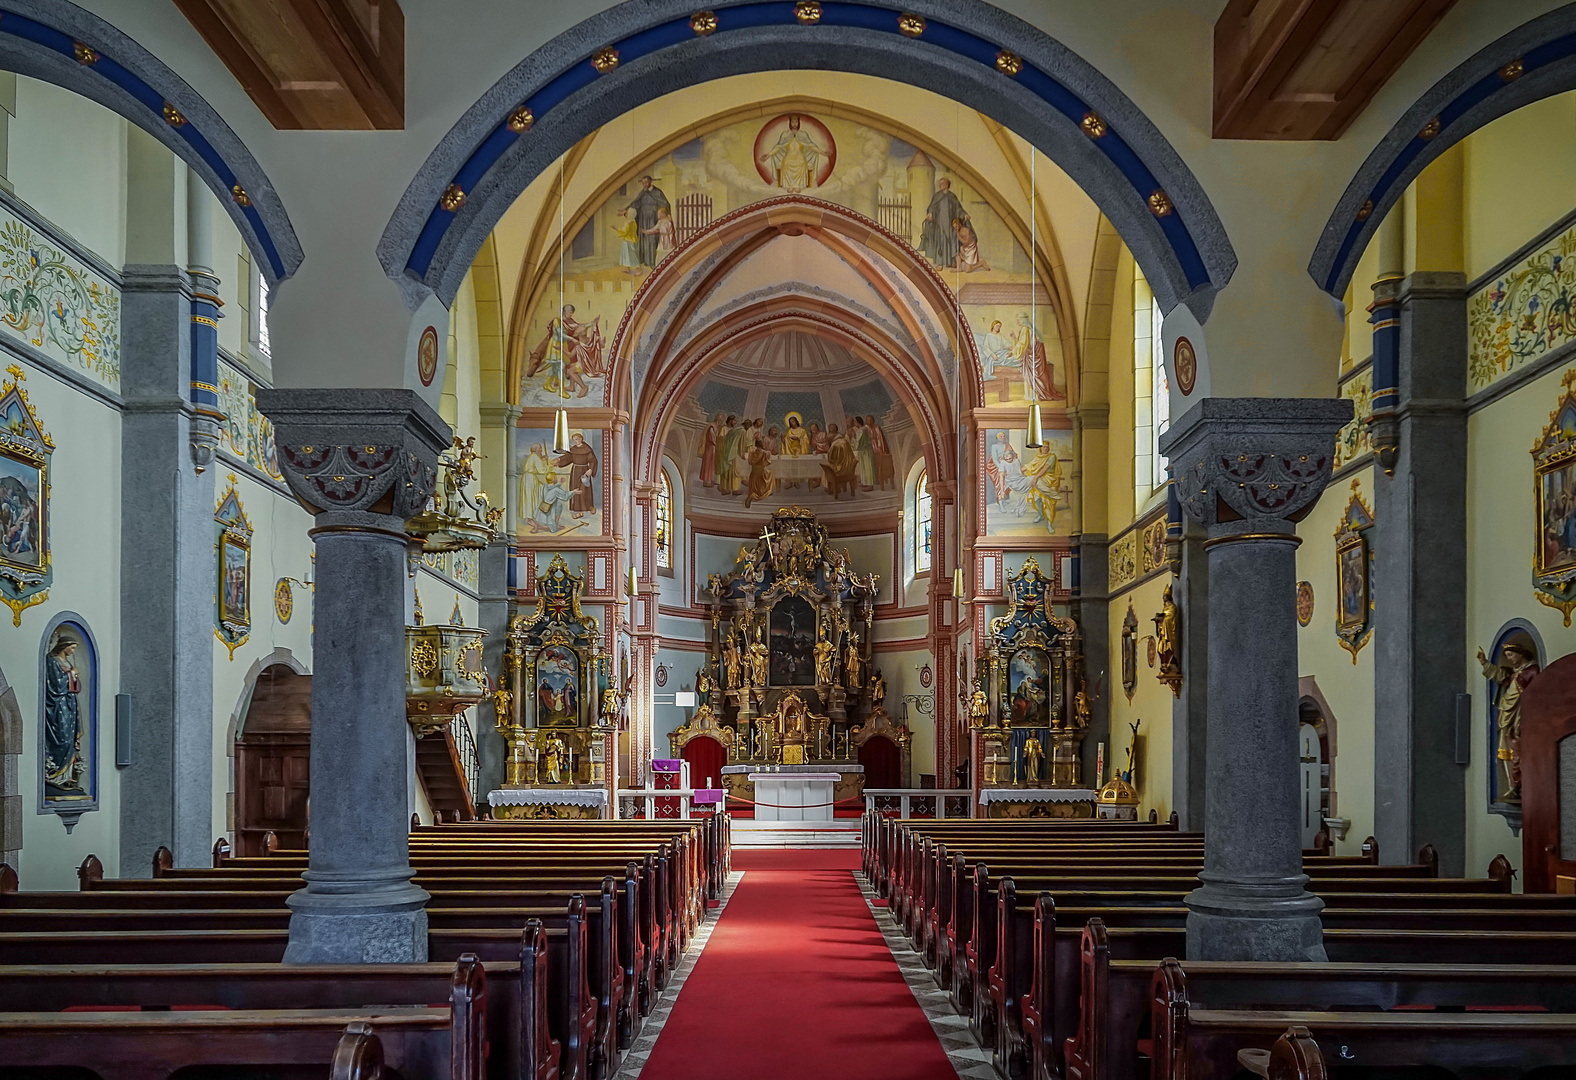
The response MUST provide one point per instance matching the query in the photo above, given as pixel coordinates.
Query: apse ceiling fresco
(793, 419)
(920, 198)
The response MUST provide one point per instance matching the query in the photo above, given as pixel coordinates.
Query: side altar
(1027, 720)
(788, 680)
(560, 711)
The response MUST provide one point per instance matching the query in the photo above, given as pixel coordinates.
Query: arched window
(1151, 395)
(664, 522)
(922, 523)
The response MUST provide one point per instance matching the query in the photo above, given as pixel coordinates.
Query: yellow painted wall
(1348, 687)
(1150, 705)
(1517, 179)
(68, 162)
(1500, 524)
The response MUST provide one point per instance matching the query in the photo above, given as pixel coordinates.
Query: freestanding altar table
(795, 796)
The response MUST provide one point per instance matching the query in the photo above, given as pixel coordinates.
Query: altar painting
(25, 453)
(1027, 492)
(558, 494)
(792, 643)
(1029, 687)
(917, 194)
(557, 688)
(22, 539)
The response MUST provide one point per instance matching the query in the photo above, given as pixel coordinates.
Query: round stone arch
(1532, 62)
(642, 49)
(57, 42)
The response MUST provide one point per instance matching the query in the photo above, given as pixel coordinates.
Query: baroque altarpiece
(562, 709)
(788, 678)
(1029, 712)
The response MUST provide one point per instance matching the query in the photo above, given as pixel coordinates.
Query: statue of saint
(703, 684)
(553, 761)
(979, 709)
(501, 699)
(877, 687)
(610, 703)
(1081, 708)
(1514, 673)
(731, 662)
(1168, 642)
(824, 651)
(759, 655)
(852, 660)
(63, 764)
(1033, 759)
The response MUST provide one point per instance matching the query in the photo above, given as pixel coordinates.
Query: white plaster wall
(85, 547)
(280, 548)
(1348, 687)
(68, 162)
(1150, 705)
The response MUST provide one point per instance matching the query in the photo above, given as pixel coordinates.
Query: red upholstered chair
(706, 757)
(883, 763)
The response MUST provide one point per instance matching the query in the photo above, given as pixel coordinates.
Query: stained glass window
(664, 535)
(922, 524)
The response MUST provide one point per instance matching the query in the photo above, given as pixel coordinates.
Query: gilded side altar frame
(25, 449)
(1553, 454)
(1354, 624)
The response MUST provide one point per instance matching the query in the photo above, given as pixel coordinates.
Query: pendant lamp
(632, 586)
(561, 431)
(957, 582)
(1036, 437)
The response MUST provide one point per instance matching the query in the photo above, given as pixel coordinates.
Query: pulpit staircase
(446, 765)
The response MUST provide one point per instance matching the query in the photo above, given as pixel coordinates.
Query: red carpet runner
(797, 981)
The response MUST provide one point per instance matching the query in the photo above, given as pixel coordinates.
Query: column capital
(366, 450)
(1253, 465)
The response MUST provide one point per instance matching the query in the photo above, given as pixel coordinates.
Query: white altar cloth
(548, 796)
(1043, 794)
(844, 768)
(793, 796)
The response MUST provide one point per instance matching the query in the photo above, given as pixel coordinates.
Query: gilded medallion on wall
(1354, 623)
(1554, 497)
(25, 452)
(1304, 603)
(232, 608)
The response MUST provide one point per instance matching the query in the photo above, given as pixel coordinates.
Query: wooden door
(1548, 779)
(273, 759)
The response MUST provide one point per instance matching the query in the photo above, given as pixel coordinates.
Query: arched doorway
(273, 756)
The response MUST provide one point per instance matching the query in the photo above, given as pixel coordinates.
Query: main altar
(560, 712)
(787, 683)
(1029, 712)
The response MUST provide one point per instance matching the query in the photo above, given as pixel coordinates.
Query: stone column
(492, 616)
(1420, 575)
(363, 461)
(1248, 469)
(1189, 712)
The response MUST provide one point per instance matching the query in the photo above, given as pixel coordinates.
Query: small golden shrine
(788, 679)
(1029, 714)
(560, 715)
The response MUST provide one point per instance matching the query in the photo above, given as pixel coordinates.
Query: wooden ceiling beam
(325, 65)
(1305, 69)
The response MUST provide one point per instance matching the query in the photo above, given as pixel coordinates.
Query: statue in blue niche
(63, 763)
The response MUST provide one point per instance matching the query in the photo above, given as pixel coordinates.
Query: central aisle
(797, 981)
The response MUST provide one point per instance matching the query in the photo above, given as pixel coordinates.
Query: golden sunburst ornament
(911, 25)
(704, 23)
(86, 54)
(1008, 63)
(521, 119)
(605, 60)
(807, 12)
(1512, 71)
(1160, 203)
(453, 198)
(242, 199)
(1093, 125)
(172, 115)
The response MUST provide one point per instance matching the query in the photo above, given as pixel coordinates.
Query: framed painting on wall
(232, 602)
(1554, 497)
(25, 451)
(1354, 574)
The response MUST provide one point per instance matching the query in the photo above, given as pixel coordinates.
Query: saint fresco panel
(919, 196)
(559, 495)
(1027, 492)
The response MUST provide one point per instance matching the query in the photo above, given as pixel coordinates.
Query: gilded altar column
(1247, 469)
(363, 461)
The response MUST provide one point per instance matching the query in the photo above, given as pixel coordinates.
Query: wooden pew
(1217, 1042)
(419, 1042)
(1116, 994)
